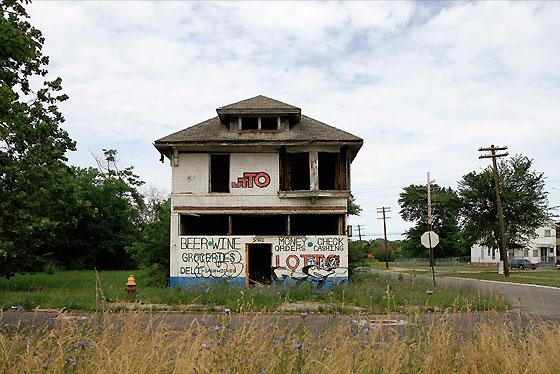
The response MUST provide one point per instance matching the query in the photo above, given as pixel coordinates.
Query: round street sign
(429, 236)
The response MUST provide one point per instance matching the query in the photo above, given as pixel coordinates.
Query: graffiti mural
(301, 259)
(320, 276)
(212, 264)
(200, 260)
(251, 179)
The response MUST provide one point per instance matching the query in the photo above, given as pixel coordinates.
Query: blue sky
(425, 84)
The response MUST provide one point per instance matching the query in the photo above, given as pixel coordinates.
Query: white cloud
(425, 84)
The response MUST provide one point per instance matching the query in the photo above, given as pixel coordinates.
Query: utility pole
(360, 232)
(383, 210)
(429, 203)
(431, 249)
(493, 156)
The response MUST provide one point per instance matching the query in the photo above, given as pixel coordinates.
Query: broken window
(249, 123)
(315, 224)
(294, 171)
(269, 123)
(219, 173)
(332, 170)
(327, 170)
(204, 224)
(258, 224)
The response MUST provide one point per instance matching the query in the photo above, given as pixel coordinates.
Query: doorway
(259, 264)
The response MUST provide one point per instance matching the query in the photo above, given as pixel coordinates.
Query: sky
(425, 84)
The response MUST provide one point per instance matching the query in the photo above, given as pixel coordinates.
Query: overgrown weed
(138, 342)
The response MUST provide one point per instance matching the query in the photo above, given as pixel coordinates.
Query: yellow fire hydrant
(131, 285)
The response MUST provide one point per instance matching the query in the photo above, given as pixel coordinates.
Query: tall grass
(136, 343)
(372, 293)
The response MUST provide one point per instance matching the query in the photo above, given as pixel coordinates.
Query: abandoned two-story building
(259, 195)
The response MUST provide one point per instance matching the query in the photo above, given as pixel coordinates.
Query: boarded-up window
(294, 171)
(219, 173)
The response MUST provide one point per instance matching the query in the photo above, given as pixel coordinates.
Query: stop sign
(429, 237)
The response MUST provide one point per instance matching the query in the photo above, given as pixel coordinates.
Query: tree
(33, 170)
(524, 202)
(445, 221)
(152, 248)
(106, 206)
(353, 208)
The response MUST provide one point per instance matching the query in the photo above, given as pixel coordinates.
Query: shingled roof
(258, 105)
(216, 130)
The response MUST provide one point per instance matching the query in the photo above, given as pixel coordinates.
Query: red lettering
(250, 178)
(289, 264)
(333, 261)
(305, 257)
(264, 183)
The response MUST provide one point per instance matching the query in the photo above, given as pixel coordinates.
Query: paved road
(530, 300)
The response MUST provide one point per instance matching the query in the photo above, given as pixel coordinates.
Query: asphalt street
(530, 300)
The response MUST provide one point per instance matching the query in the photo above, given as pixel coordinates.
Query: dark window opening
(314, 224)
(219, 173)
(250, 123)
(204, 224)
(327, 170)
(294, 171)
(259, 263)
(269, 123)
(258, 225)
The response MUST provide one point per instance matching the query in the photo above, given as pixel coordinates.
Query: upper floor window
(313, 170)
(547, 234)
(294, 171)
(257, 123)
(219, 173)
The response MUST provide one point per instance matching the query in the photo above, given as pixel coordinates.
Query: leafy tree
(106, 207)
(446, 206)
(152, 249)
(524, 202)
(33, 170)
(353, 208)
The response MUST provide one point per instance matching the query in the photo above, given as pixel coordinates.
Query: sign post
(430, 239)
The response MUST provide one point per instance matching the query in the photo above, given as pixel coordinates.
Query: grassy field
(373, 293)
(130, 343)
(542, 277)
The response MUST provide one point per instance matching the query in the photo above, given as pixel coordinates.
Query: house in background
(259, 195)
(541, 250)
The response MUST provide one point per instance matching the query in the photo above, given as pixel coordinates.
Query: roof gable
(213, 131)
(258, 105)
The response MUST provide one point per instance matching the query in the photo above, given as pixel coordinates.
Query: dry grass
(135, 343)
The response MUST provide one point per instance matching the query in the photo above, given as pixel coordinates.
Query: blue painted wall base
(194, 283)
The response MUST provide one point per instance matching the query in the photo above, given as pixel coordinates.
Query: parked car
(522, 264)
